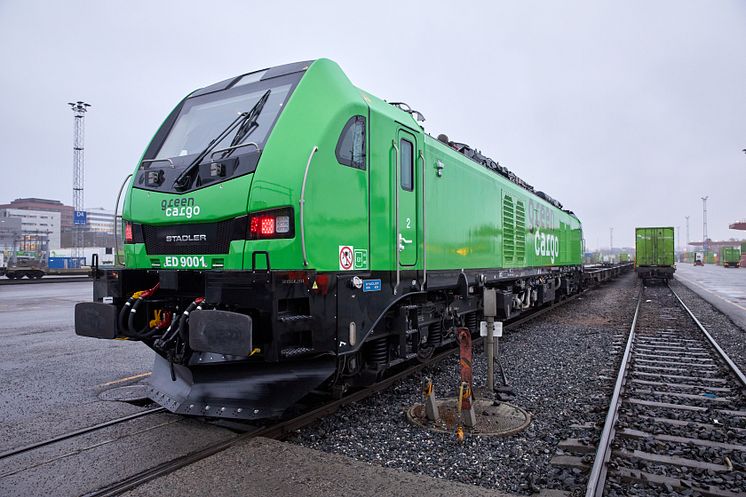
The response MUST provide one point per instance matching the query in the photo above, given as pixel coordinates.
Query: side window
(407, 165)
(351, 145)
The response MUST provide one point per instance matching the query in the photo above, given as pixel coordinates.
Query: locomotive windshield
(203, 118)
(214, 136)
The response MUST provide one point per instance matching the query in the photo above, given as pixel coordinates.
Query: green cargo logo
(546, 245)
(180, 207)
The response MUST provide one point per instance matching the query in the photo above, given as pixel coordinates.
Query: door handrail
(396, 216)
(302, 206)
(116, 209)
(424, 233)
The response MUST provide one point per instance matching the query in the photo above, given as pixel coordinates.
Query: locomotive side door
(405, 177)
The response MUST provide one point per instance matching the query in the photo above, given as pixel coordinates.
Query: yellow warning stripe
(128, 378)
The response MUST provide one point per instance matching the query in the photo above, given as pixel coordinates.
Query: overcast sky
(627, 112)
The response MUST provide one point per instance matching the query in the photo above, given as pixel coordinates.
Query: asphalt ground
(724, 288)
(265, 467)
(50, 383)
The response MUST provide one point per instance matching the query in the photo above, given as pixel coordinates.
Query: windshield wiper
(249, 125)
(246, 123)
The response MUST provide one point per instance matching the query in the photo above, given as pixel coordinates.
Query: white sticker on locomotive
(346, 257)
(546, 245)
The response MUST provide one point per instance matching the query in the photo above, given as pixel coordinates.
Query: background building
(98, 231)
(10, 233)
(37, 225)
(43, 204)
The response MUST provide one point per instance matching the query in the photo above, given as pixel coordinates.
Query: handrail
(150, 161)
(302, 205)
(396, 216)
(234, 147)
(424, 232)
(116, 209)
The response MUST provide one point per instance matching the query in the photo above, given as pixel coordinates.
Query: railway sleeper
(670, 483)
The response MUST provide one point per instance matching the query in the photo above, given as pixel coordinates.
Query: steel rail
(732, 365)
(597, 478)
(283, 428)
(81, 431)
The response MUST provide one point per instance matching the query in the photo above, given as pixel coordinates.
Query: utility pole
(611, 239)
(704, 225)
(678, 237)
(79, 109)
(687, 232)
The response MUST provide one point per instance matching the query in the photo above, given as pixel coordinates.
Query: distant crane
(704, 225)
(79, 109)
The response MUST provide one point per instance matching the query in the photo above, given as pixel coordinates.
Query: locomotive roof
(396, 113)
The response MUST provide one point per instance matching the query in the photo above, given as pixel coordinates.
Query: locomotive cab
(232, 219)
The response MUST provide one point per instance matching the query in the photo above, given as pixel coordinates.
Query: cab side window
(351, 145)
(407, 165)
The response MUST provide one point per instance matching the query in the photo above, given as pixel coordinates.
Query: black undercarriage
(251, 344)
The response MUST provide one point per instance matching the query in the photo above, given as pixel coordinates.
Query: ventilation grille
(508, 229)
(520, 231)
(514, 231)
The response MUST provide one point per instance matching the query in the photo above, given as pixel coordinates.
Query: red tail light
(128, 236)
(276, 223)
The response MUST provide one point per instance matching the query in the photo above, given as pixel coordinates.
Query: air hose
(178, 325)
(133, 303)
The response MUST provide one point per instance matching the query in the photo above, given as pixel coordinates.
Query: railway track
(677, 416)
(285, 427)
(276, 430)
(76, 433)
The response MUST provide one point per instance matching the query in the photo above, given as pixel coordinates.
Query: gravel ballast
(560, 366)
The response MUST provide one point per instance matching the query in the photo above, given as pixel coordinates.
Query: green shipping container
(623, 257)
(654, 246)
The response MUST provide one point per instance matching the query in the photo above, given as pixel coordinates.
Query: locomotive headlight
(154, 178)
(282, 224)
(217, 169)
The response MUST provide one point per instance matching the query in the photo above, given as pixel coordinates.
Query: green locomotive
(286, 231)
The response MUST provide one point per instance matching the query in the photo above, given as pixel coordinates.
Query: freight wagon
(654, 253)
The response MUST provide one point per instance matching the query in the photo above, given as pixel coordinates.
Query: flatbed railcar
(286, 231)
(655, 258)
